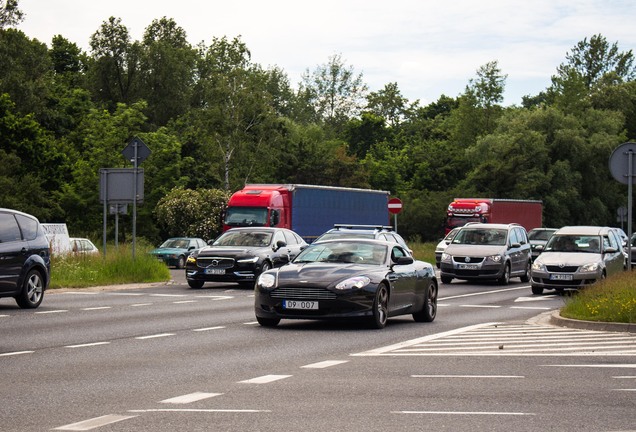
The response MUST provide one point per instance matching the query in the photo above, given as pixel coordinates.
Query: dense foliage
(215, 120)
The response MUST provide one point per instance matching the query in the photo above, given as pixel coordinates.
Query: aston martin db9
(348, 278)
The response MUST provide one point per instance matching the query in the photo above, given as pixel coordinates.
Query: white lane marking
(595, 365)
(184, 301)
(4, 316)
(629, 390)
(483, 292)
(96, 308)
(480, 306)
(167, 295)
(125, 294)
(200, 410)
(81, 293)
(87, 345)
(538, 298)
(189, 398)
(465, 413)
(155, 336)
(265, 379)
(95, 422)
(325, 364)
(16, 353)
(208, 328)
(532, 308)
(625, 377)
(467, 376)
(216, 297)
(389, 348)
(140, 304)
(52, 311)
(251, 323)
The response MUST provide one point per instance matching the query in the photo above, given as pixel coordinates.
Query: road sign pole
(630, 179)
(134, 227)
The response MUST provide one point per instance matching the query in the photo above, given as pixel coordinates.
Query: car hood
(232, 251)
(474, 250)
(441, 246)
(316, 273)
(568, 258)
(167, 251)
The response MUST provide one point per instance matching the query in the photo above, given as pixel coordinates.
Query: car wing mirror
(279, 244)
(405, 260)
(611, 250)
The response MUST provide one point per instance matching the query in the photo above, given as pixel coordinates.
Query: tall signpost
(395, 206)
(621, 164)
(136, 152)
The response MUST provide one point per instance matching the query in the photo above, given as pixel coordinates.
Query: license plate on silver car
(559, 276)
(298, 304)
(468, 266)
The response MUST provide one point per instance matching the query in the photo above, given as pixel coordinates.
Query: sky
(429, 48)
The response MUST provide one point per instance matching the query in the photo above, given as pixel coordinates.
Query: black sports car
(348, 278)
(241, 254)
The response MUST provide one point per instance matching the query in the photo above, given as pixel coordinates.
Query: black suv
(25, 259)
(379, 232)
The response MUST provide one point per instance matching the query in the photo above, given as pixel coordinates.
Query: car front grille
(303, 293)
(467, 260)
(559, 269)
(215, 262)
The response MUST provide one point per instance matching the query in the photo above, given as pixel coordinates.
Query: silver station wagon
(577, 256)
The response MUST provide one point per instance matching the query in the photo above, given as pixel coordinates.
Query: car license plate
(565, 277)
(214, 271)
(297, 304)
(468, 266)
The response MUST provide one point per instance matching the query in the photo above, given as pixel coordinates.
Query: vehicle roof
(8, 210)
(361, 228)
(491, 225)
(583, 230)
(544, 229)
(263, 228)
(358, 240)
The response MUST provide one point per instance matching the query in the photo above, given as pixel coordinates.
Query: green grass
(610, 300)
(81, 271)
(423, 251)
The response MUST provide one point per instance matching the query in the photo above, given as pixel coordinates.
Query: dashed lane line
(160, 335)
(189, 398)
(324, 364)
(265, 379)
(95, 422)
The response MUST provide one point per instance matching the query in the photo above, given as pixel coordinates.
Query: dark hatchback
(25, 260)
(348, 278)
(241, 254)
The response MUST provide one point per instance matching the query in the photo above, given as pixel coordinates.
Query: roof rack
(353, 226)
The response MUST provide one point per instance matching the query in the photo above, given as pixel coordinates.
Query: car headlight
(266, 280)
(446, 257)
(192, 259)
(250, 260)
(494, 258)
(591, 267)
(354, 282)
(537, 266)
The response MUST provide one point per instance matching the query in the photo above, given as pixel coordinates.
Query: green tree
(335, 91)
(10, 14)
(192, 213)
(389, 104)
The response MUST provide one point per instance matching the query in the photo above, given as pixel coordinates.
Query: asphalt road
(168, 358)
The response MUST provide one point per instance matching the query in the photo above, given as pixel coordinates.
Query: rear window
(9, 230)
(29, 227)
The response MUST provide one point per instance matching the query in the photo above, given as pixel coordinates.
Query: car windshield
(246, 216)
(481, 236)
(574, 243)
(344, 252)
(239, 238)
(540, 234)
(175, 243)
(341, 234)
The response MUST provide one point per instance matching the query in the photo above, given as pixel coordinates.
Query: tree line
(215, 120)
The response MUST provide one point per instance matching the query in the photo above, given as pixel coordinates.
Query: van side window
(9, 230)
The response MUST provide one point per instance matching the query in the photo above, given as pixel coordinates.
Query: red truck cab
(258, 205)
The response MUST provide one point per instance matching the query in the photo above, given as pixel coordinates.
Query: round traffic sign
(620, 161)
(395, 205)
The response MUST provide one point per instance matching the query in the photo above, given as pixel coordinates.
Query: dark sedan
(174, 251)
(348, 278)
(241, 254)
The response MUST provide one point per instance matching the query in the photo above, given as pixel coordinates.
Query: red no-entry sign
(395, 205)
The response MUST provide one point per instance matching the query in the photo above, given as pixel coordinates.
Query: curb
(111, 287)
(555, 318)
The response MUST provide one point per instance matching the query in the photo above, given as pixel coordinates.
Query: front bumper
(477, 271)
(557, 281)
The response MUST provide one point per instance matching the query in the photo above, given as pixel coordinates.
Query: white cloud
(429, 48)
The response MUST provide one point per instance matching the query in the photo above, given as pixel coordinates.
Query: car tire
(268, 322)
(32, 291)
(265, 266)
(537, 290)
(446, 279)
(181, 262)
(429, 309)
(380, 308)
(195, 284)
(526, 276)
(505, 277)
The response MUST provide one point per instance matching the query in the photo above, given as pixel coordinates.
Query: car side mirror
(405, 260)
(539, 247)
(279, 244)
(515, 245)
(611, 250)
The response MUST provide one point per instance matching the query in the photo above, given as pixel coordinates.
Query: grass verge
(81, 271)
(610, 300)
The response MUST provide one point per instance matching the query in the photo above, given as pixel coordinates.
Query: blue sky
(428, 48)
